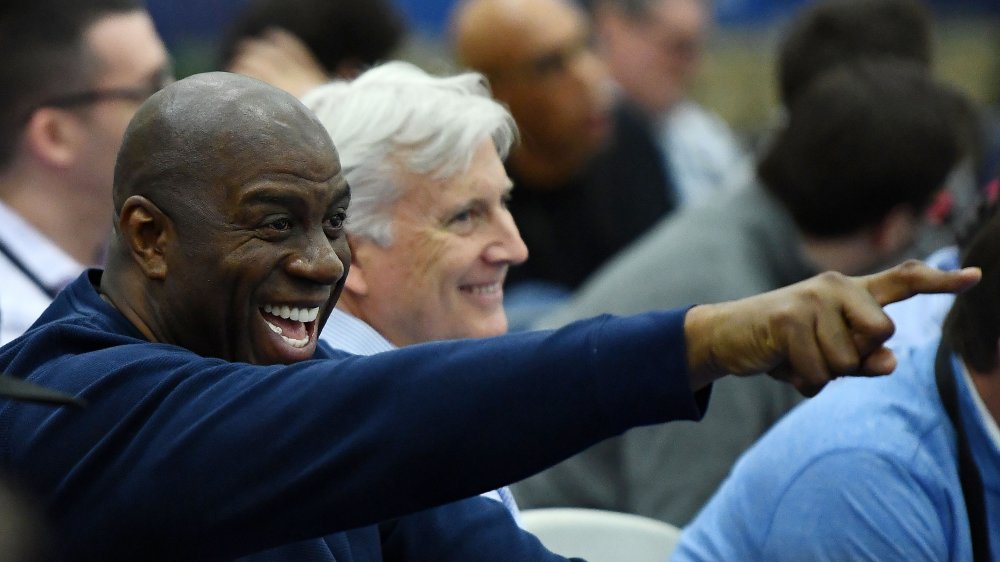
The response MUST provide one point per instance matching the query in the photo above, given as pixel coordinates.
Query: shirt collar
(982, 413)
(351, 334)
(54, 267)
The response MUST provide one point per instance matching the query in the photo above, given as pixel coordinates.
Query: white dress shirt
(345, 332)
(23, 299)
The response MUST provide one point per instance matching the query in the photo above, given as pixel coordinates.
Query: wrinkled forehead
(253, 135)
(255, 129)
(222, 129)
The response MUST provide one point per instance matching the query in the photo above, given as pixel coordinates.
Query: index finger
(913, 277)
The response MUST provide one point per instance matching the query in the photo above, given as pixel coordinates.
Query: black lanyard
(968, 474)
(17, 389)
(27, 272)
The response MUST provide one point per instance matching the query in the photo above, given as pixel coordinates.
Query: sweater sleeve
(200, 457)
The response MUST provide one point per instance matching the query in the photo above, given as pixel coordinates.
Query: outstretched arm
(810, 332)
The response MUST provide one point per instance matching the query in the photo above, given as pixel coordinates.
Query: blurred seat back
(602, 536)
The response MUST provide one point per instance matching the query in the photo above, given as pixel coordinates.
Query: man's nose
(507, 247)
(318, 261)
(591, 71)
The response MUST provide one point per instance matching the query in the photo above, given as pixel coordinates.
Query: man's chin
(488, 328)
(271, 349)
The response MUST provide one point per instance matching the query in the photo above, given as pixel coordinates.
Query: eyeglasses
(88, 97)
(137, 94)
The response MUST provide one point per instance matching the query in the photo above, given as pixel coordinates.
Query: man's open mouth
(294, 325)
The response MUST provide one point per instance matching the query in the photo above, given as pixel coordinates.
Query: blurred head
(72, 74)
(229, 238)
(863, 141)
(345, 36)
(972, 328)
(829, 33)
(429, 228)
(652, 47)
(537, 56)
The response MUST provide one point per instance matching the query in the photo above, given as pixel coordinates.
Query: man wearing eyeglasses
(72, 74)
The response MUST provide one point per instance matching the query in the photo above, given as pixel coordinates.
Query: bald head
(537, 57)
(492, 35)
(208, 129)
(489, 33)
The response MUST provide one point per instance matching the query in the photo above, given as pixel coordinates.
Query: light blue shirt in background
(867, 470)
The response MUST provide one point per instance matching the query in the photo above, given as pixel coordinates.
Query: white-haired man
(429, 229)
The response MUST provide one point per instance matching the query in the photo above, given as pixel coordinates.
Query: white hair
(397, 116)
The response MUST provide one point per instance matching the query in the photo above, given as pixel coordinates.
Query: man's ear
(54, 136)
(896, 230)
(146, 232)
(356, 283)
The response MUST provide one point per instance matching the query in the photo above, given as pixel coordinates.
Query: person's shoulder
(80, 339)
(697, 235)
(691, 114)
(690, 123)
(712, 241)
(884, 428)
(894, 417)
(687, 258)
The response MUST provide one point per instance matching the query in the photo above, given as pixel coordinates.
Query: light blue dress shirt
(864, 471)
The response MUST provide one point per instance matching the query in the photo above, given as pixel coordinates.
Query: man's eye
(336, 222)
(280, 225)
(552, 63)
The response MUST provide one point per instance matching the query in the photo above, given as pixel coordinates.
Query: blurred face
(554, 84)
(260, 265)
(131, 58)
(654, 59)
(442, 276)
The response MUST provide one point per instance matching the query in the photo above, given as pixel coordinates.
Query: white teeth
(296, 343)
(485, 289)
(296, 314)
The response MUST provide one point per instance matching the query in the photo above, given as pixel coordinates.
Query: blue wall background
(201, 21)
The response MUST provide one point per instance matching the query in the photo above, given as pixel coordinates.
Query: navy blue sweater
(182, 457)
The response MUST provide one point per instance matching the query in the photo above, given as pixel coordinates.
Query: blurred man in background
(653, 49)
(72, 74)
(589, 175)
